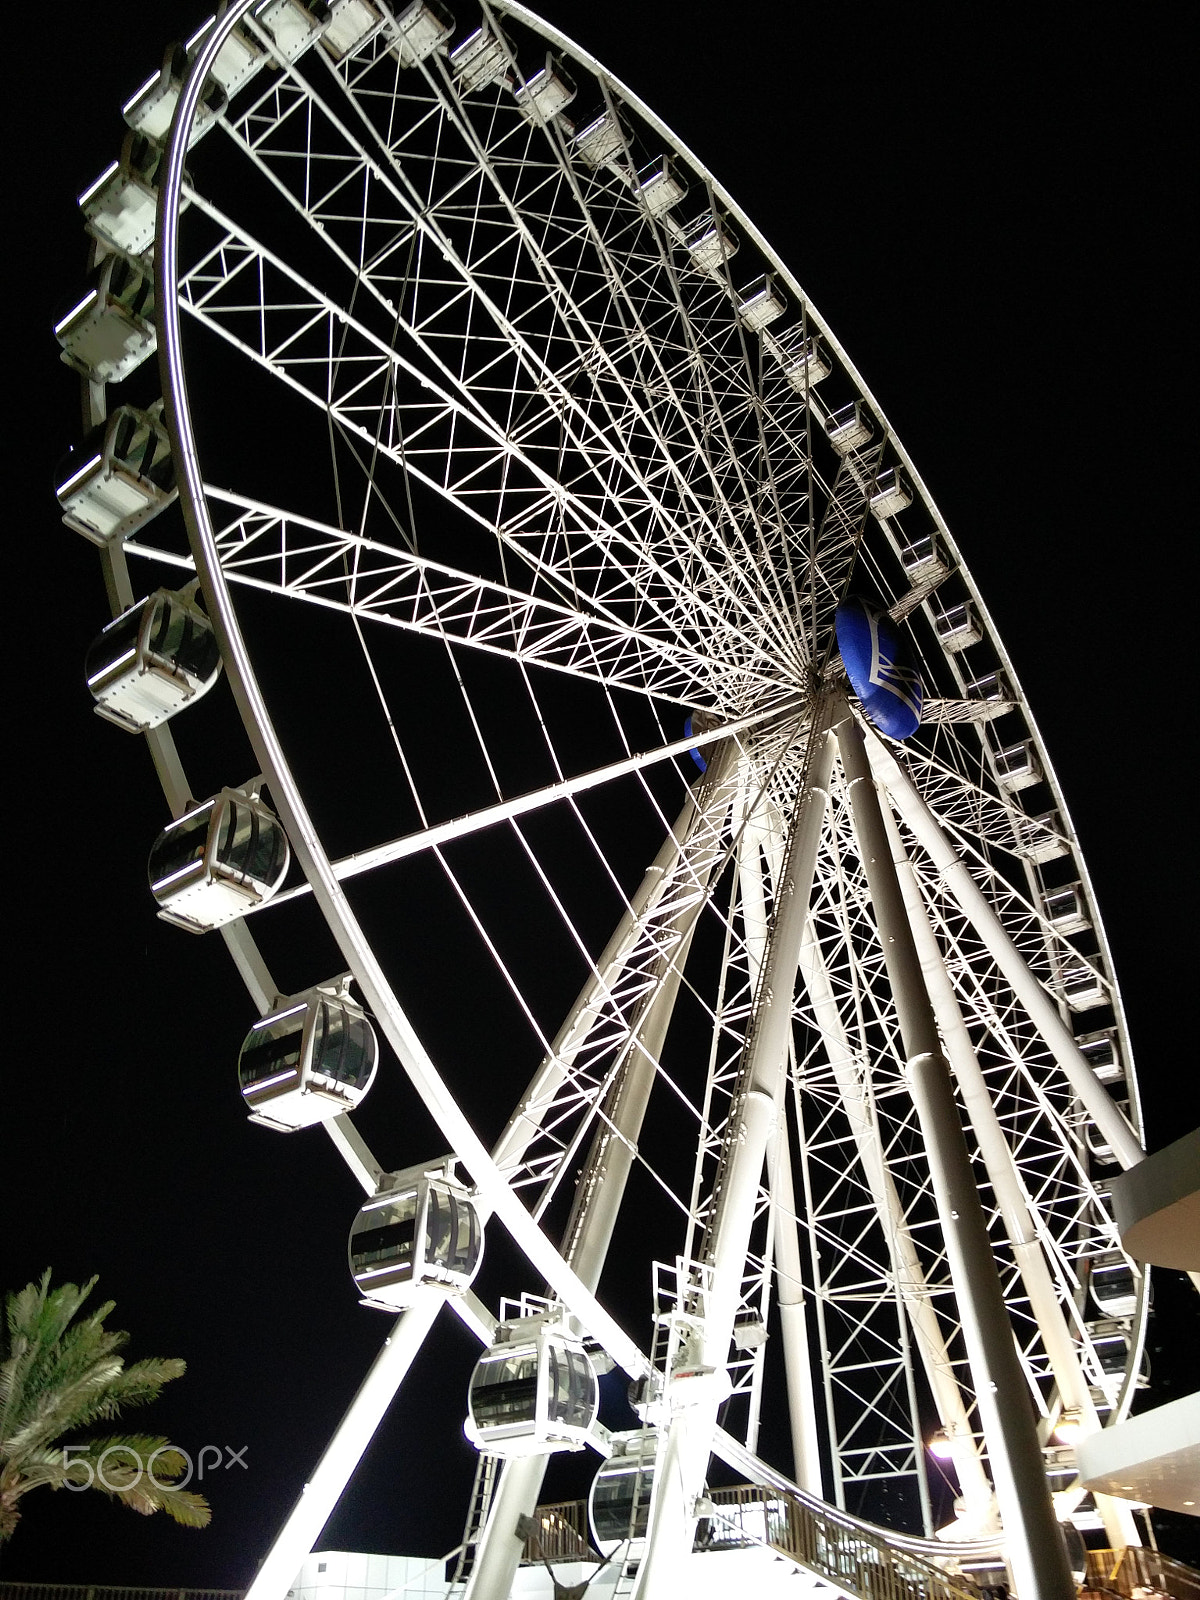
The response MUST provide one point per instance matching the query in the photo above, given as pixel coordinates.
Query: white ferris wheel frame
(541, 633)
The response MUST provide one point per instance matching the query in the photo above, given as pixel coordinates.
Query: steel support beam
(1036, 1552)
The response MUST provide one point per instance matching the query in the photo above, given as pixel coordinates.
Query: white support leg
(1011, 1197)
(1042, 1011)
(694, 1390)
(1036, 1551)
(793, 1321)
(696, 841)
(906, 1263)
(345, 1450)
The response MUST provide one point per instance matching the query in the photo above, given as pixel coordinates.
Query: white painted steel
(669, 550)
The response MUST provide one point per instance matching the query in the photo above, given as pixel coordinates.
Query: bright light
(273, 1017)
(266, 1083)
(112, 666)
(71, 315)
(129, 104)
(939, 1445)
(100, 181)
(1069, 1427)
(75, 476)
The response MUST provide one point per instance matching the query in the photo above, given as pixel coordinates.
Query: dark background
(989, 206)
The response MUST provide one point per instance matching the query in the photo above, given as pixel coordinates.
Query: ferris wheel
(591, 625)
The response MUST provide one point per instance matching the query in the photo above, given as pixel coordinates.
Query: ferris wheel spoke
(298, 557)
(592, 440)
(441, 834)
(294, 328)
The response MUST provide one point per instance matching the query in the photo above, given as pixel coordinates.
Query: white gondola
(601, 140)
(1043, 839)
(660, 186)
(424, 27)
(293, 25)
(1113, 1284)
(923, 559)
(150, 109)
(1066, 909)
(849, 428)
(311, 1058)
(535, 1391)
(111, 330)
(1102, 1053)
(239, 59)
(619, 1501)
(710, 243)
(761, 304)
(547, 93)
(116, 481)
(805, 361)
(120, 208)
(958, 628)
(351, 24)
(1018, 767)
(422, 1227)
(1081, 986)
(219, 859)
(892, 493)
(479, 60)
(153, 660)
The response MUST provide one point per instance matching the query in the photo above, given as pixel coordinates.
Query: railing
(1122, 1571)
(561, 1534)
(96, 1591)
(857, 1563)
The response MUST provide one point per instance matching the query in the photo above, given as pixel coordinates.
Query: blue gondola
(876, 657)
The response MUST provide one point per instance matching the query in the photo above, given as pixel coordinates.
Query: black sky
(989, 206)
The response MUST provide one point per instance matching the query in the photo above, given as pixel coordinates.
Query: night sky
(989, 207)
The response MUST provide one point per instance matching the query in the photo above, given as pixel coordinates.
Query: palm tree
(58, 1376)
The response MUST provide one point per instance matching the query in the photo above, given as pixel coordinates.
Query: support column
(345, 1450)
(1036, 1550)
(601, 1186)
(1073, 1388)
(694, 1389)
(975, 906)
(793, 1321)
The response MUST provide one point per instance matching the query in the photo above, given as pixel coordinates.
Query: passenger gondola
(308, 1060)
(152, 660)
(535, 1391)
(219, 859)
(116, 480)
(424, 1227)
(111, 329)
(619, 1502)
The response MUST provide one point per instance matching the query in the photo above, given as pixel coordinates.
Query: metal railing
(860, 1565)
(1120, 1572)
(561, 1534)
(825, 1545)
(96, 1591)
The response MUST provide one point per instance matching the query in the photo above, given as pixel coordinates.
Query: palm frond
(58, 1375)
